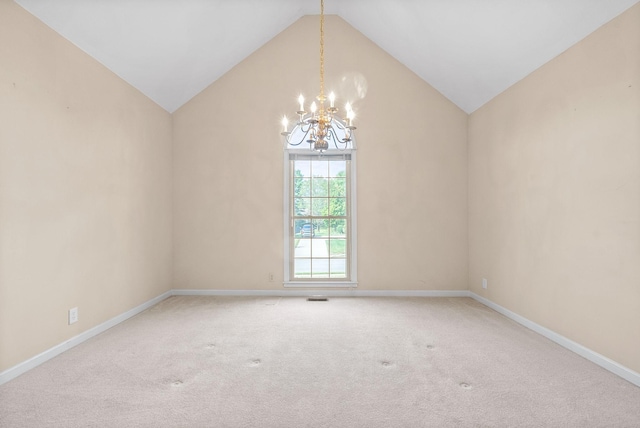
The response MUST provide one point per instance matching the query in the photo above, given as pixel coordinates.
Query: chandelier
(320, 126)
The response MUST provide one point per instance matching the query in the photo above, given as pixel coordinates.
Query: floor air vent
(317, 298)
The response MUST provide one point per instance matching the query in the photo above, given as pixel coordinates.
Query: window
(319, 218)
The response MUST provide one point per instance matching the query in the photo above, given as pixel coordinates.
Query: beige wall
(85, 201)
(554, 184)
(228, 167)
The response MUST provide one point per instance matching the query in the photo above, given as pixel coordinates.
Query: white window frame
(353, 256)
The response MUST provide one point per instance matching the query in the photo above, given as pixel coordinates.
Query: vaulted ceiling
(469, 50)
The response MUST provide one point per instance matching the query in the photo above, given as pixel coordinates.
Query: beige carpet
(348, 362)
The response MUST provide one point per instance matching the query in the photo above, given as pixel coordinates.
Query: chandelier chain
(321, 51)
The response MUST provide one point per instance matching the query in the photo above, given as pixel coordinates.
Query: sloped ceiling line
(469, 50)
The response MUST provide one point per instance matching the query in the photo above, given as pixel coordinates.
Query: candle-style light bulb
(285, 123)
(350, 115)
(313, 107)
(301, 101)
(332, 99)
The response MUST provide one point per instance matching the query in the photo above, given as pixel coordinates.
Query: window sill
(320, 284)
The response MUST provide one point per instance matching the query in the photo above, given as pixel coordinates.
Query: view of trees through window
(320, 217)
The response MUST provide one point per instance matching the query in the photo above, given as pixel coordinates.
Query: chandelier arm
(331, 135)
(337, 141)
(304, 135)
(339, 125)
(348, 130)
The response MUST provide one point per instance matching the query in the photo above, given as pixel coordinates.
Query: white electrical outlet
(270, 277)
(73, 315)
(484, 283)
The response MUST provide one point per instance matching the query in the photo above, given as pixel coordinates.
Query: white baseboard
(330, 293)
(17, 370)
(590, 355)
(594, 357)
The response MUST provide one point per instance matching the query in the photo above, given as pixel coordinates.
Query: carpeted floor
(348, 362)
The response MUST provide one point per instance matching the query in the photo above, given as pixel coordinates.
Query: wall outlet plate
(484, 283)
(73, 315)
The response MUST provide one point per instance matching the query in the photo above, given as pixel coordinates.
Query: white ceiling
(469, 50)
